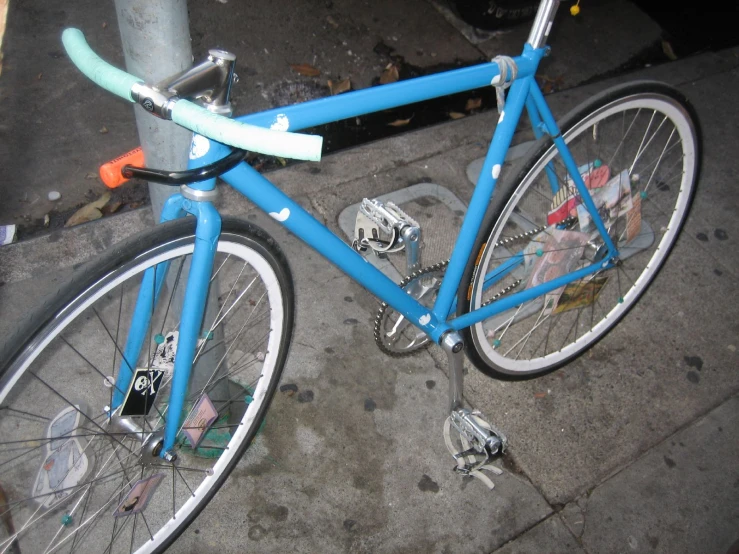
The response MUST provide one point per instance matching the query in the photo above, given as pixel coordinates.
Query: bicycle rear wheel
(638, 149)
(70, 480)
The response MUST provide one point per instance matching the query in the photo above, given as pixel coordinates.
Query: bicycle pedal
(478, 442)
(379, 226)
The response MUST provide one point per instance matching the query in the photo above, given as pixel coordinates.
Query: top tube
(373, 99)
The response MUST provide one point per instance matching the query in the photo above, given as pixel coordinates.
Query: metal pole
(156, 44)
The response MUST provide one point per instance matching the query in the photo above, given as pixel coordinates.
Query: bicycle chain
(383, 311)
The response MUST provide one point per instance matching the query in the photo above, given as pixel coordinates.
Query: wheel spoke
(70, 508)
(645, 134)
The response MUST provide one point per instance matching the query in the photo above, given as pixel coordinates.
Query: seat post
(543, 23)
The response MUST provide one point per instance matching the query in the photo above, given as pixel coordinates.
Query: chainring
(394, 334)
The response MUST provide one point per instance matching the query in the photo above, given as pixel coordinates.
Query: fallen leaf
(669, 52)
(102, 201)
(472, 104)
(305, 69)
(105, 24)
(111, 208)
(332, 22)
(134, 205)
(540, 395)
(337, 87)
(456, 115)
(549, 85)
(103, 130)
(400, 122)
(390, 75)
(83, 215)
(283, 161)
(91, 176)
(47, 220)
(38, 77)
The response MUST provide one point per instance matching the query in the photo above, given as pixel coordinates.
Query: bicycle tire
(541, 335)
(494, 15)
(250, 339)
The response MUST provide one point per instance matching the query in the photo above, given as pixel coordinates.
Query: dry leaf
(669, 52)
(390, 75)
(38, 77)
(472, 104)
(305, 69)
(400, 122)
(282, 161)
(456, 115)
(105, 24)
(102, 201)
(337, 87)
(111, 208)
(540, 395)
(549, 85)
(332, 22)
(83, 215)
(103, 130)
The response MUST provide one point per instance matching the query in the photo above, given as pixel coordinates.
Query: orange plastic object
(110, 172)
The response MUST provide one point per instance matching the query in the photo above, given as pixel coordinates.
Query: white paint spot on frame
(424, 319)
(199, 147)
(281, 123)
(496, 171)
(282, 216)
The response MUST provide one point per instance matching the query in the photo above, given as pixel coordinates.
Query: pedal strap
(463, 461)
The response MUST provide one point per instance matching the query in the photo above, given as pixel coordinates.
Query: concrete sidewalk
(631, 448)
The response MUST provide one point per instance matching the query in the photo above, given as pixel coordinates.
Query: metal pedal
(385, 228)
(478, 443)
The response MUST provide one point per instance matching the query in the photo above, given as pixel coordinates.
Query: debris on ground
(7, 234)
(390, 75)
(305, 69)
(337, 87)
(89, 212)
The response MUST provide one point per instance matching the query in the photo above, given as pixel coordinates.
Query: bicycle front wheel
(73, 479)
(637, 147)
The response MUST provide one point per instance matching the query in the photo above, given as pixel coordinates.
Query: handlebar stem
(209, 81)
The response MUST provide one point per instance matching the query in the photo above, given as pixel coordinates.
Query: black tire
(61, 359)
(492, 15)
(518, 213)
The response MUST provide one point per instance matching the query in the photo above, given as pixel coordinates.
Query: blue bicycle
(131, 396)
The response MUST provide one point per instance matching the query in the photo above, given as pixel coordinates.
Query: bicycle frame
(524, 94)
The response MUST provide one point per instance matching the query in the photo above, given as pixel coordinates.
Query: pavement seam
(640, 455)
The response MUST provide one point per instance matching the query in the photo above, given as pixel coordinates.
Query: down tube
(283, 209)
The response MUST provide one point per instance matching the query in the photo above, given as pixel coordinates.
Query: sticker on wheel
(199, 421)
(138, 497)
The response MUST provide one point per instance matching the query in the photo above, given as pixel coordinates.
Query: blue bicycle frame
(524, 93)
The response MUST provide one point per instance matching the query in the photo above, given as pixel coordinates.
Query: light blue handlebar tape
(245, 136)
(95, 68)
